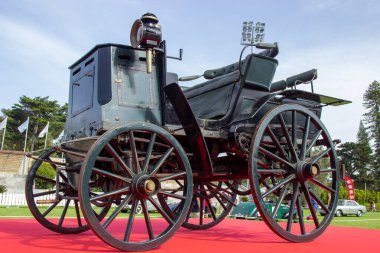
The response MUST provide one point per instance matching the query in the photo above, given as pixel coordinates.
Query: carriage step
(46, 201)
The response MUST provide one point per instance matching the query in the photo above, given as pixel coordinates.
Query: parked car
(248, 210)
(348, 207)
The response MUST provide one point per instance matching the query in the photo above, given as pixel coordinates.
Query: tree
(371, 103)
(347, 153)
(40, 110)
(364, 153)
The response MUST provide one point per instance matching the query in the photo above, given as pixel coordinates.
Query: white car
(348, 207)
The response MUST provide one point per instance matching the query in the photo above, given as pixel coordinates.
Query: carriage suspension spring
(244, 141)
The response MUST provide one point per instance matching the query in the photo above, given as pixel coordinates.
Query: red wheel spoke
(201, 210)
(207, 199)
(220, 202)
(175, 196)
(315, 181)
(227, 199)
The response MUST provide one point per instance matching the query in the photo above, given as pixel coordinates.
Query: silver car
(348, 207)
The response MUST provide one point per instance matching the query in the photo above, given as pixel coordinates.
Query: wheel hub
(150, 186)
(305, 171)
(144, 186)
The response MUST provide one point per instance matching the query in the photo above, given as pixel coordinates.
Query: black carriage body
(109, 86)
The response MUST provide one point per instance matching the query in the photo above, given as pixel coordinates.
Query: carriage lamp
(146, 33)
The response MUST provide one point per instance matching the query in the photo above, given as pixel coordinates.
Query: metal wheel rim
(296, 178)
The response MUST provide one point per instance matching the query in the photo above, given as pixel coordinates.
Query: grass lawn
(23, 211)
(369, 220)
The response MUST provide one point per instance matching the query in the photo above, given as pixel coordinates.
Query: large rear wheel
(293, 169)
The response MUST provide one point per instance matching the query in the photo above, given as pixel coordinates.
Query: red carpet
(233, 236)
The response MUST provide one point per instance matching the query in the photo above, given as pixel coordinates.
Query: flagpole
(5, 129)
(26, 135)
(2, 143)
(47, 131)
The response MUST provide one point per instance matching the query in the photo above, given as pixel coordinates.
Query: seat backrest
(259, 71)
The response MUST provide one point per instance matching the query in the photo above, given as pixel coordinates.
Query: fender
(193, 132)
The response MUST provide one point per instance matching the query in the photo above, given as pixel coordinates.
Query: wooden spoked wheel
(293, 171)
(139, 164)
(211, 203)
(51, 198)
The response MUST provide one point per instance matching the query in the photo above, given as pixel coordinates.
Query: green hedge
(3, 188)
(363, 197)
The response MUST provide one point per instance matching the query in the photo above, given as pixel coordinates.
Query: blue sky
(40, 39)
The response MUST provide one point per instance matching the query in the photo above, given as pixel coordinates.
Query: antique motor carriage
(142, 156)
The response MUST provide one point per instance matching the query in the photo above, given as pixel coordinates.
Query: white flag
(24, 126)
(3, 123)
(44, 131)
(59, 138)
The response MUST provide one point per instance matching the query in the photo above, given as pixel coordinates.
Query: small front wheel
(359, 214)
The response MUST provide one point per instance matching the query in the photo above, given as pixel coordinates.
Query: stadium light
(251, 34)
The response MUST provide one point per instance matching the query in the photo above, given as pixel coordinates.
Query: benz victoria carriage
(134, 137)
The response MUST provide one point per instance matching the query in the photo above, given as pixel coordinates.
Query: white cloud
(345, 70)
(34, 63)
(24, 40)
